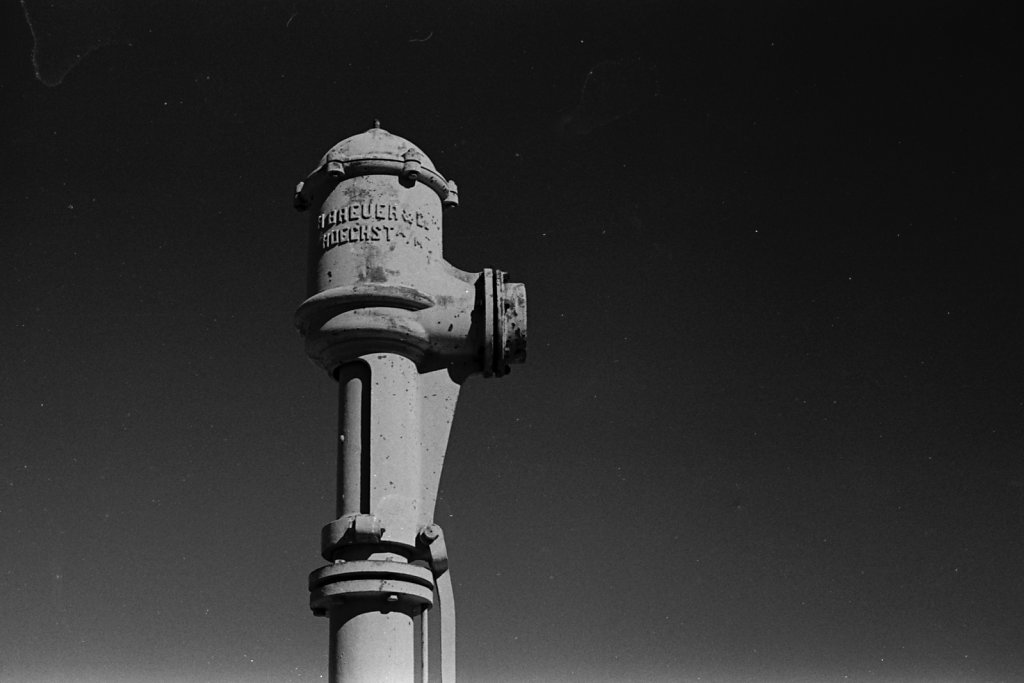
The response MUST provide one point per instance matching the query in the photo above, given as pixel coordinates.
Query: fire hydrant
(400, 329)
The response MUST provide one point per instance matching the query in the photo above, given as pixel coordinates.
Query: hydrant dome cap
(377, 144)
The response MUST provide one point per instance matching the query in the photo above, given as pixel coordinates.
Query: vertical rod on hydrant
(400, 329)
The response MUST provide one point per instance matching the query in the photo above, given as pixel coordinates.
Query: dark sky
(770, 427)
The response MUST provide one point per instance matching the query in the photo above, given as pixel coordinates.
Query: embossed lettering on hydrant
(367, 222)
(356, 233)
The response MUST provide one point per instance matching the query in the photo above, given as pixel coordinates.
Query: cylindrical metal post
(368, 646)
(372, 636)
(424, 647)
(353, 437)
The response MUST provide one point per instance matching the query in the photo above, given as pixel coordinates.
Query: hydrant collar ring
(408, 170)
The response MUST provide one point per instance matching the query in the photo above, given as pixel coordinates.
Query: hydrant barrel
(377, 227)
